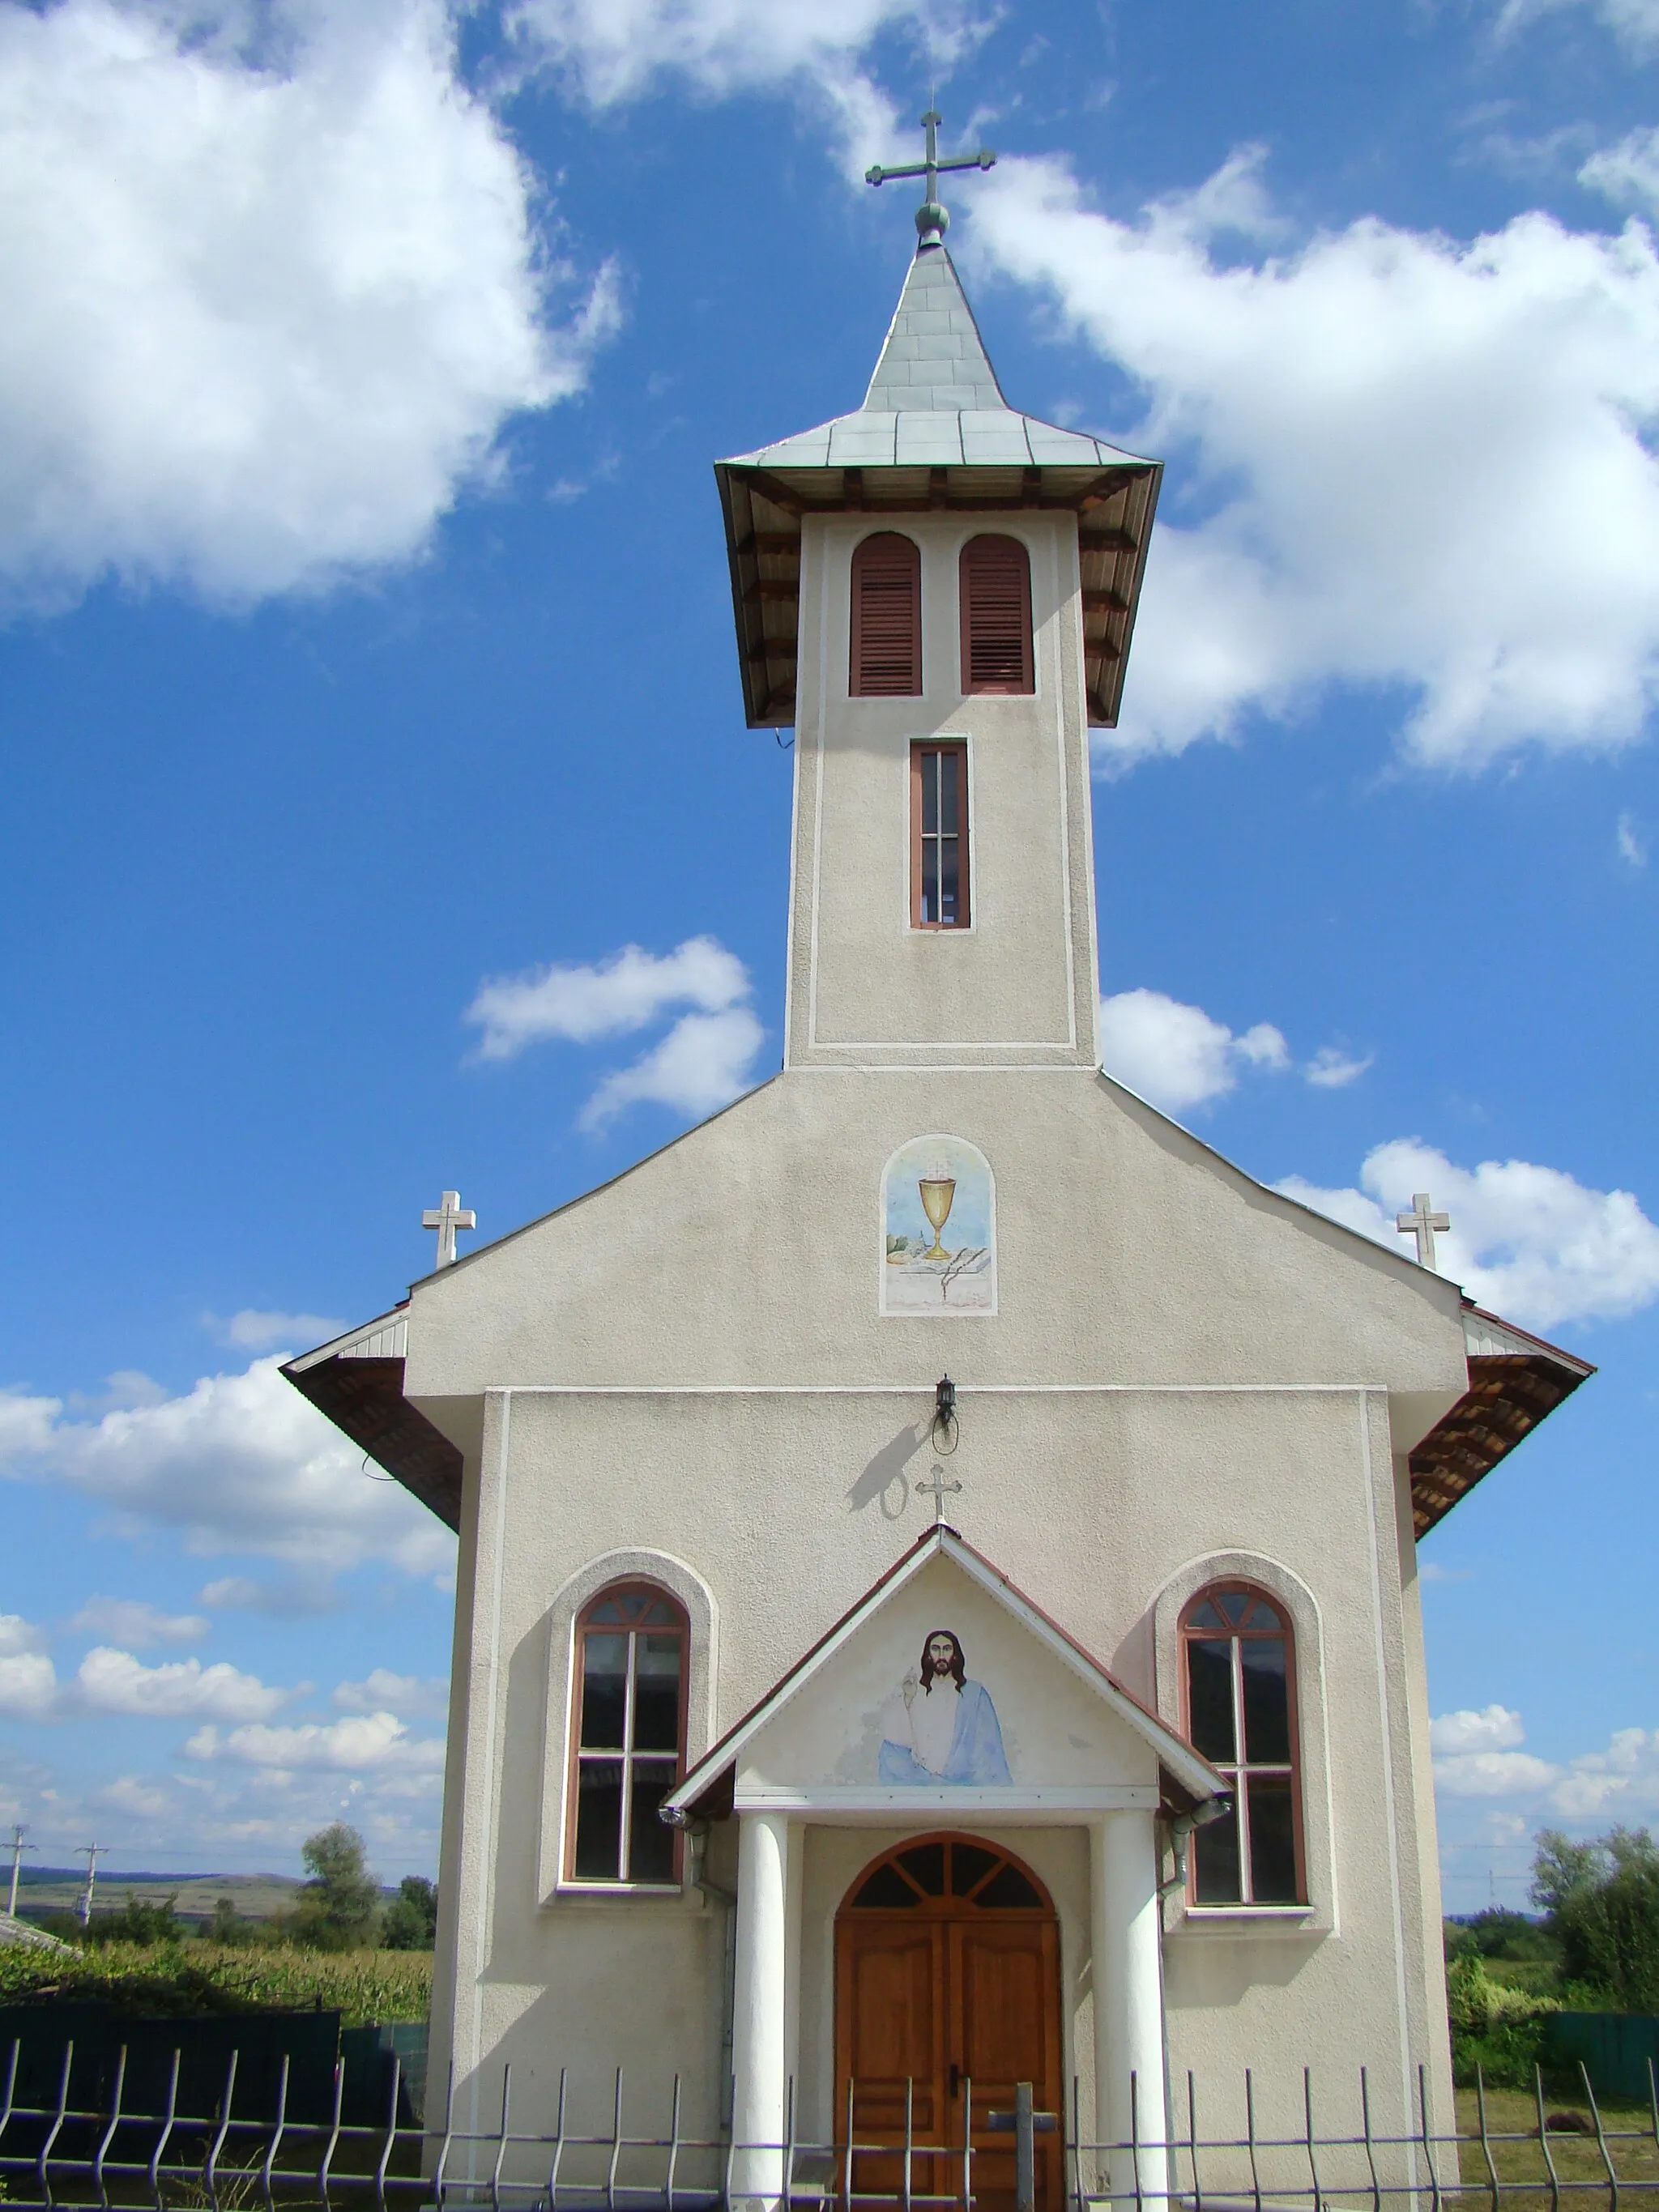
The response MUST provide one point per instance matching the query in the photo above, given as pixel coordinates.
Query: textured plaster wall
(748, 1253)
(1022, 973)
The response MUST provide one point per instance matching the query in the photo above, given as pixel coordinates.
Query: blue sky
(367, 687)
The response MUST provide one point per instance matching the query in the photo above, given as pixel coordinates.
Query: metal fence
(60, 2157)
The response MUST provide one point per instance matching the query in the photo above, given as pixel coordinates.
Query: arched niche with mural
(938, 1245)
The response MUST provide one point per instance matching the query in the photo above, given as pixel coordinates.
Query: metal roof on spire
(934, 432)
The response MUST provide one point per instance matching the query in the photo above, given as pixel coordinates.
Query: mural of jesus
(942, 1727)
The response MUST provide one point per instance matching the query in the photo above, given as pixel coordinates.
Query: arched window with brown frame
(628, 1738)
(996, 616)
(1238, 1693)
(886, 617)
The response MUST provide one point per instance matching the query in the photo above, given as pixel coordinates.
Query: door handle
(955, 2078)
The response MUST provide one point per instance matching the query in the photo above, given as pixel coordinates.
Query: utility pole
(92, 1853)
(18, 1847)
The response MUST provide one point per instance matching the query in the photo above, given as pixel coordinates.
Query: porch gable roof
(696, 1794)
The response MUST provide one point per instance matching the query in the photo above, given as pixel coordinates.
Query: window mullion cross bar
(627, 1820)
(1246, 1877)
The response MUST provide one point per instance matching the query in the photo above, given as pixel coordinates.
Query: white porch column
(758, 2022)
(1128, 1994)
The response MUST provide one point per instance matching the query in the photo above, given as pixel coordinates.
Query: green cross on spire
(932, 221)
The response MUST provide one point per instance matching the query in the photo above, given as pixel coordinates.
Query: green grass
(206, 1977)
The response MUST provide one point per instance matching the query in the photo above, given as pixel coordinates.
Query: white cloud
(385, 1691)
(137, 1800)
(1493, 1727)
(251, 1330)
(1492, 1773)
(369, 1740)
(1528, 1242)
(1477, 1754)
(627, 991)
(1331, 1069)
(1425, 460)
(240, 1463)
(1632, 847)
(17, 1635)
(28, 1684)
(1634, 23)
(1176, 1056)
(26, 1422)
(703, 1062)
(137, 1624)
(615, 50)
(111, 1681)
(291, 1599)
(267, 310)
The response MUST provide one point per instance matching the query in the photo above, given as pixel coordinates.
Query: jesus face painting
(941, 1727)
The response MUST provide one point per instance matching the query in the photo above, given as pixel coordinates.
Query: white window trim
(1319, 1915)
(701, 1612)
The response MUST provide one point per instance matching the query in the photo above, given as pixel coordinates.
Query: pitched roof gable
(1194, 1774)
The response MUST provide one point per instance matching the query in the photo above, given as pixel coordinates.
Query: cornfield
(150, 1983)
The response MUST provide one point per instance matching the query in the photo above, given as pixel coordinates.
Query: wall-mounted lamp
(943, 1431)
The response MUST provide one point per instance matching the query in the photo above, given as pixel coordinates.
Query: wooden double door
(947, 1994)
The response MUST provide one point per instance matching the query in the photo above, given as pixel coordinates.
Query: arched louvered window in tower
(996, 616)
(887, 618)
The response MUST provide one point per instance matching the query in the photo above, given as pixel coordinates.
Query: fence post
(1024, 2150)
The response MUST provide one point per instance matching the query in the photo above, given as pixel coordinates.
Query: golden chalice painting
(939, 1230)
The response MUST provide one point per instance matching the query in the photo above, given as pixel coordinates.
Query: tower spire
(932, 220)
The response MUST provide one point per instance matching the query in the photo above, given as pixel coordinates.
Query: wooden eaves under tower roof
(934, 432)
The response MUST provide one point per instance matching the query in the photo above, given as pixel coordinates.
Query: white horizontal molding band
(927, 1390)
(830, 1803)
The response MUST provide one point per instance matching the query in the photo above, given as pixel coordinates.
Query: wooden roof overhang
(1515, 1380)
(362, 1392)
(764, 508)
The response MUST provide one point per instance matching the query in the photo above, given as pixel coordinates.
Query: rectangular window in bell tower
(939, 836)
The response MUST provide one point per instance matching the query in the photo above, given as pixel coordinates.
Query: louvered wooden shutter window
(887, 618)
(996, 616)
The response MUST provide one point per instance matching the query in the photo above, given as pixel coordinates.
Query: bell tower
(938, 592)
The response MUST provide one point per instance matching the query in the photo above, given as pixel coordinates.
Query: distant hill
(55, 1889)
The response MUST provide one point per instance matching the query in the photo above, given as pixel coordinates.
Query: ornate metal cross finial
(938, 1490)
(446, 1219)
(1422, 1224)
(932, 221)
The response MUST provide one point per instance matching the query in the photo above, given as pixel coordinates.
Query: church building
(937, 1601)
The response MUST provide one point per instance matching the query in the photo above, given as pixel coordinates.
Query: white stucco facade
(689, 1380)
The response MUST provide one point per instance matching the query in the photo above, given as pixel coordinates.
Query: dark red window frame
(939, 836)
(995, 574)
(1223, 1626)
(614, 1836)
(886, 647)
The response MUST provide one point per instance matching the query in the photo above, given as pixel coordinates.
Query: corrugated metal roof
(934, 401)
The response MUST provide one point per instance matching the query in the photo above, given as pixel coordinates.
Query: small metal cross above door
(1422, 1224)
(447, 1219)
(938, 1490)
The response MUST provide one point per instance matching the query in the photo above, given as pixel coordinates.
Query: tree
(338, 1906)
(411, 1918)
(136, 1922)
(1602, 1898)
